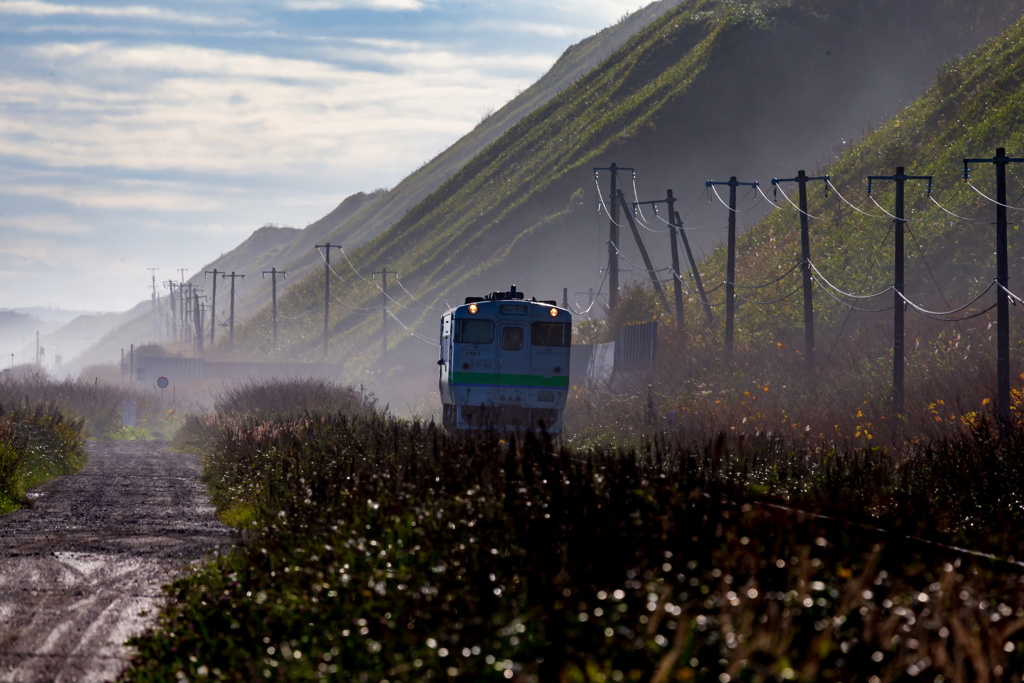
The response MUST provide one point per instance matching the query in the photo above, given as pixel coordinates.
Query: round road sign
(162, 382)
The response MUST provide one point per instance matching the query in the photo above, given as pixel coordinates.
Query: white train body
(505, 363)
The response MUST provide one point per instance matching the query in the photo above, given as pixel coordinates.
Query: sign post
(162, 383)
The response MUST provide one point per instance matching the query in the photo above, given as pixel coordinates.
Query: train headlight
(554, 312)
(473, 309)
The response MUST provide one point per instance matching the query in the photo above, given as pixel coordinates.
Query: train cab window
(474, 331)
(511, 339)
(551, 334)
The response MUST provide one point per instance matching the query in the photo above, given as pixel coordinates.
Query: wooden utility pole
(899, 305)
(677, 284)
(327, 285)
(805, 255)
(231, 324)
(693, 266)
(1003, 279)
(213, 302)
(156, 319)
(183, 318)
(174, 313)
(384, 305)
(274, 272)
(197, 321)
(730, 269)
(621, 201)
(613, 233)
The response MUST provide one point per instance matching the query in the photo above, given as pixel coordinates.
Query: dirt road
(78, 570)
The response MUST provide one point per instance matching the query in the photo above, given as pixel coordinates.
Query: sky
(161, 135)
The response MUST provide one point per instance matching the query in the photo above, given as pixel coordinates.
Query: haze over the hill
(162, 134)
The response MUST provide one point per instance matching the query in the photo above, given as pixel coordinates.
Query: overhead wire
(597, 295)
(751, 208)
(600, 198)
(411, 331)
(925, 311)
(963, 218)
(994, 201)
(852, 206)
(903, 220)
(767, 284)
(786, 197)
(852, 307)
(413, 296)
(773, 301)
(847, 294)
(849, 313)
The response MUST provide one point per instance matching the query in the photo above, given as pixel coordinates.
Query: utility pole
(181, 305)
(693, 268)
(37, 348)
(197, 321)
(156, 322)
(899, 305)
(613, 233)
(327, 285)
(670, 200)
(621, 200)
(273, 293)
(213, 303)
(174, 313)
(186, 311)
(384, 305)
(730, 270)
(805, 255)
(231, 325)
(1003, 279)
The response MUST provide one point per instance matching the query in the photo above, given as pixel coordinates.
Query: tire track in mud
(81, 572)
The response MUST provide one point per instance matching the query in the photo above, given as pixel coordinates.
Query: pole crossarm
(998, 159)
(824, 178)
(597, 169)
(900, 177)
(654, 204)
(731, 183)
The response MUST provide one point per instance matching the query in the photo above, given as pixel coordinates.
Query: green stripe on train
(494, 379)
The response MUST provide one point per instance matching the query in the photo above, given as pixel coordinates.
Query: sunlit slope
(711, 89)
(975, 105)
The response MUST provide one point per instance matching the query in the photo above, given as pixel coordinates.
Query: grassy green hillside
(975, 105)
(710, 89)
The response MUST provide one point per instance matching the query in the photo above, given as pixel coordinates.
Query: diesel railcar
(505, 364)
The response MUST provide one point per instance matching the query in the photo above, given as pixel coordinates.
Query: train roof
(511, 295)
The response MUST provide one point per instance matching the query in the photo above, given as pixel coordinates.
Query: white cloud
(382, 5)
(36, 8)
(48, 224)
(176, 107)
(117, 142)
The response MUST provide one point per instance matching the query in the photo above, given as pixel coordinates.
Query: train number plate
(512, 309)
